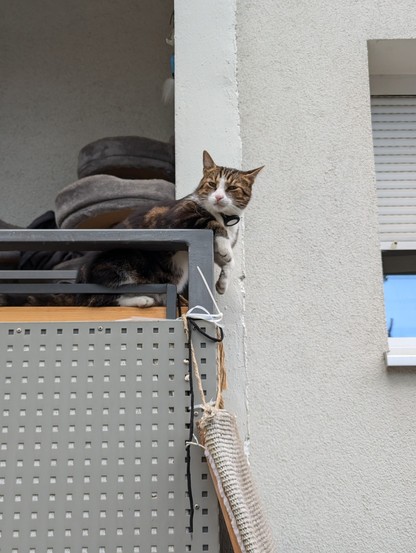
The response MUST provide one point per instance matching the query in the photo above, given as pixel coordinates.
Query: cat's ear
(208, 161)
(253, 173)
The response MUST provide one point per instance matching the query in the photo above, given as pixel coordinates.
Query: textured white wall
(72, 72)
(332, 432)
(206, 117)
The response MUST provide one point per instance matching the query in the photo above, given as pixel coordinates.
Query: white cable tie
(188, 444)
(202, 406)
(208, 288)
(194, 441)
(214, 318)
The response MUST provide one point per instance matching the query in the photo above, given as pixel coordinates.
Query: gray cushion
(101, 201)
(128, 157)
(4, 225)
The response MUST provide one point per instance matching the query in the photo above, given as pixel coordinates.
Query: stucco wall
(332, 432)
(72, 72)
(207, 118)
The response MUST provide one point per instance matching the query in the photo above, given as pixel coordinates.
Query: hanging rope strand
(195, 363)
(221, 376)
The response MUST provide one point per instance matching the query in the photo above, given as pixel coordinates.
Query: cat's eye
(232, 188)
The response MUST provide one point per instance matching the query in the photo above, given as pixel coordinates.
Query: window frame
(398, 257)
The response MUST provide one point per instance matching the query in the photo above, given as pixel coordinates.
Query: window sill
(401, 353)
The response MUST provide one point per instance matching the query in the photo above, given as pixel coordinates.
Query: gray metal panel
(92, 439)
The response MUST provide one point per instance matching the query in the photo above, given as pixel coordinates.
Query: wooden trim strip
(55, 314)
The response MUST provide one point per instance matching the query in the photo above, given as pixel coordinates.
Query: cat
(217, 204)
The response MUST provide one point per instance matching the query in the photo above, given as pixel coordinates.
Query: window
(400, 300)
(394, 139)
(392, 67)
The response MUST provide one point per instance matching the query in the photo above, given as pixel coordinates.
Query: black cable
(212, 338)
(191, 435)
(193, 325)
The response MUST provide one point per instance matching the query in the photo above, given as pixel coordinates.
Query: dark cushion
(128, 157)
(8, 259)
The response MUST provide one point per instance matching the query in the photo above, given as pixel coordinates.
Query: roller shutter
(394, 138)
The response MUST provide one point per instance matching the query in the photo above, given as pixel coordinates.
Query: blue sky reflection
(400, 300)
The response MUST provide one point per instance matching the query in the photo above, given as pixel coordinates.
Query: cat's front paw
(223, 252)
(222, 283)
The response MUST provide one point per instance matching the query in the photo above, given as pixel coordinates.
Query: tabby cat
(216, 204)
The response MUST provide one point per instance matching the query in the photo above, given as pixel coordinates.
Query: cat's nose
(218, 196)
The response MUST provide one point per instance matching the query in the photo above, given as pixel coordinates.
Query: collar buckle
(230, 220)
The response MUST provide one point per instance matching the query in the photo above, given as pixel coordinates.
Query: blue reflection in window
(400, 300)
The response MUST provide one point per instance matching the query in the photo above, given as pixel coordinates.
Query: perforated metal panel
(92, 440)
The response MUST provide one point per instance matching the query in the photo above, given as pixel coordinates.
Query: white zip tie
(214, 318)
(209, 289)
(211, 402)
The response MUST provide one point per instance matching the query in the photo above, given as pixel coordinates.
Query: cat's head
(224, 190)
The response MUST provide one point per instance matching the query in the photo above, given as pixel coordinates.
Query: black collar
(230, 220)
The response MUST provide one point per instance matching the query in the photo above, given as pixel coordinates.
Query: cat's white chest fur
(233, 234)
(180, 265)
